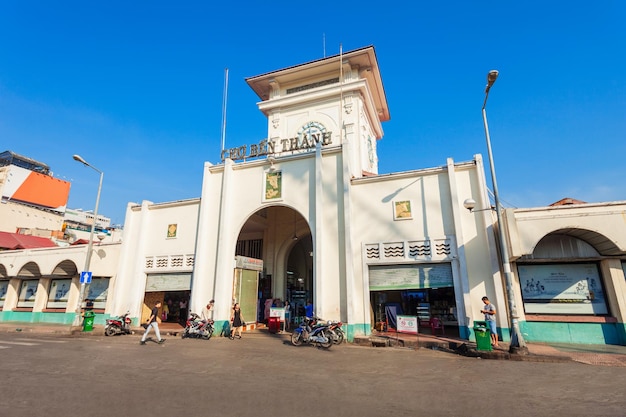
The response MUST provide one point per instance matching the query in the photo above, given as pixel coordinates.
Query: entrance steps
(405, 341)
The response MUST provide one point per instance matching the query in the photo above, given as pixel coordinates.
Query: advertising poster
(562, 289)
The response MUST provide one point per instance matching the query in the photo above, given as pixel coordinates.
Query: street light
(90, 244)
(518, 345)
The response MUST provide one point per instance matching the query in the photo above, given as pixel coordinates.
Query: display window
(574, 288)
(4, 286)
(98, 292)
(59, 292)
(28, 292)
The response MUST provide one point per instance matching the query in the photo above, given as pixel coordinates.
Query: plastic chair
(436, 325)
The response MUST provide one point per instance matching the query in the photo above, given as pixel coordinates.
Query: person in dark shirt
(152, 323)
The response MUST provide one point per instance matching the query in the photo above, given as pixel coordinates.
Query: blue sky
(136, 88)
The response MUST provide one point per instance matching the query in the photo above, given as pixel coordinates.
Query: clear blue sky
(135, 88)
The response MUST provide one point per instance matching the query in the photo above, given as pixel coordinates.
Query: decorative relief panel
(412, 250)
(170, 262)
(393, 250)
(420, 249)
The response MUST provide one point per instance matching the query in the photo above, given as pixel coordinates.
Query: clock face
(311, 129)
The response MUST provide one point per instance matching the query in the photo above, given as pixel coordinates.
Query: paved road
(259, 375)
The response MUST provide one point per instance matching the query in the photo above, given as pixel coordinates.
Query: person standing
(267, 307)
(182, 312)
(308, 310)
(490, 317)
(207, 312)
(287, 315)
(166, 312)
(153, 323)
(236, 322)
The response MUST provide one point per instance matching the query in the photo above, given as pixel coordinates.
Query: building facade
(304, 215)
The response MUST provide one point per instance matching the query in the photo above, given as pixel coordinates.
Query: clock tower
(331, 102)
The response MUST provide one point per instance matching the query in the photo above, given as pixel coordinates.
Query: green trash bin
(483, 336)
(88, 318)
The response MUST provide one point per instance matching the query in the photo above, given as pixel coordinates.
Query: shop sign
(307, 138)
(168, 282)
(243, 262)
(406, 277)
(277, 312)
(407, 324)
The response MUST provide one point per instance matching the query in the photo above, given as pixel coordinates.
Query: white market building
(304, 215)
(308, 217)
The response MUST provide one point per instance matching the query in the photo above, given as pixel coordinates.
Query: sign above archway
(307, 138)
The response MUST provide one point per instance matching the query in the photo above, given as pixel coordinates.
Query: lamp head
(469, 204)
(271, 160)
(491, 78)
(79, 159)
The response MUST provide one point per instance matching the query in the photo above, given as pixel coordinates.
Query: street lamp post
(90, 244)
(518, 345)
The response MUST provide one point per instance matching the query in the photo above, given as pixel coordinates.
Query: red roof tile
(12, 241)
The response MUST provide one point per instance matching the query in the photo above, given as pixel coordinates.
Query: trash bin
(483, 336)
(88, 318)
(273, 324)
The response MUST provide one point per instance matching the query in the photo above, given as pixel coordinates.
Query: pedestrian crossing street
(25, 342)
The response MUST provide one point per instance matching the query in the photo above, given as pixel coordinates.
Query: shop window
(98, 292)
(59, 292)
(28, 292)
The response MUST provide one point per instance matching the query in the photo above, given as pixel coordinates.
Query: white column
(225, 261)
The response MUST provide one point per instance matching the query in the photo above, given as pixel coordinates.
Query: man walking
(152, 323)
(490, 317)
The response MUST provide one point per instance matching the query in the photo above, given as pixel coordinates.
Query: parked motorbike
(118, 325)
(312, 331)
(198, 328)
(336, 332)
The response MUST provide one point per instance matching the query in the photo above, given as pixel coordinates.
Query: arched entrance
(280, 237)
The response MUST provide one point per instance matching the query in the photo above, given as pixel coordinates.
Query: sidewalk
(599, 355)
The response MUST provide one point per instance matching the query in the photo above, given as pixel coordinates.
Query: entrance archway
(281, 237)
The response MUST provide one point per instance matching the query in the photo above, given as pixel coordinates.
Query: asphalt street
(262, 374)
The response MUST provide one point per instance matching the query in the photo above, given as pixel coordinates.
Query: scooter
(311, 331)
(198, 328)
(119, 325)
(336, 331)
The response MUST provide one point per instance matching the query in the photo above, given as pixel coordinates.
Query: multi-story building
(30, 197)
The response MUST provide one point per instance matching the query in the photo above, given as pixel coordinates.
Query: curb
(465, 350)
(462, 349)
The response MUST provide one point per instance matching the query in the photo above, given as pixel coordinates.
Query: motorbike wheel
(109, 331)
(206, 335)
(184, 334)
(329, 339)
(296, 338)
(340, 337)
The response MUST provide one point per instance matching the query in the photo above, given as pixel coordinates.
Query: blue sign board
(85, 277)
